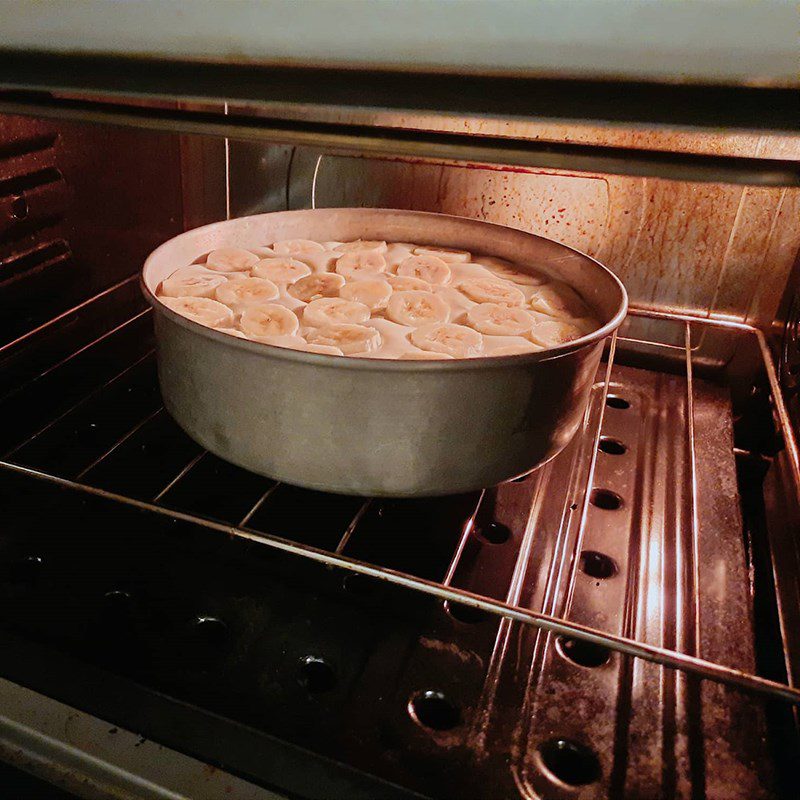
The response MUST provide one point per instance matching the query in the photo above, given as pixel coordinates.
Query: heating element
(213, 610)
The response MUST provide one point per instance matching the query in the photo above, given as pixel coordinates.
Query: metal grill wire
(508, 609)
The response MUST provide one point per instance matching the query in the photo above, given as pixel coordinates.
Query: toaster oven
(624, 622)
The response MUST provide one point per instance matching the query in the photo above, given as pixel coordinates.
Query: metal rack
(334, 551)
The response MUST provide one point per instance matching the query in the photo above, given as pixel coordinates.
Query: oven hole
(605, 499)
(570, 762)
(613, 447)
(19, 208)
(211, 631)
(26, 570)
(615, 401)
(597, 565)
(494, 533)
(464, 613)
(585, 654)
(433, 710)
(316, 674)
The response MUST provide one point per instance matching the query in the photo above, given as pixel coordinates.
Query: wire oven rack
(687, 332)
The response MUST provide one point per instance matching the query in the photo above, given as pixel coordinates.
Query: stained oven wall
(702, 248)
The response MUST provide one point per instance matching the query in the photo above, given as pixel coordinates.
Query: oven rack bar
(444, 591)
(398, 143)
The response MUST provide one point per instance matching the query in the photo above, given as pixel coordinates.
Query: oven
(624, 622)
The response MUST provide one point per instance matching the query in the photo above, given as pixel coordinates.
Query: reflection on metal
(367, 140)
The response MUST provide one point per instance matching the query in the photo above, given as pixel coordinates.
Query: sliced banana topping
(446, 337)
(281, 270)
(488, 290)
(268, 320)
(446, 254)
(312, 287)
(360, 264)
(370, 297)
(553, 333)
(507, 271)
(361, 244)
(405, 283)
(201, 309)
(297, 247)
(350, 339)
(498, 320)
(430, 269)
(417, 308)
(245, 292)
(333, 311)
(191, 282)
(374, 293)
(557, 300)
(231, 259)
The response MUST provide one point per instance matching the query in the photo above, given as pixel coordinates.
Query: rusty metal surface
(703, 249)
(653, 734)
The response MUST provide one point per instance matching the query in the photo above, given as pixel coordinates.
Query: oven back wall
(700, 248)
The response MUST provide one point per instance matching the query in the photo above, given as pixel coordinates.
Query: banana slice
(507, 271)
(424, 355)
(281, 270)
(497, 320)
(323, 349)
(445, 253)
(558, 300)
(348, 338)
(360, 263)
(514, 349)
(245, 292)
(553, 332)
(361, 244)
(267, 321)
(427, 268)
(446, 337)
(297, 247)
(191, 282)
(405, 283)
(325, 284)
(417, 308)
(333, 311)
(488, 290)
(231, 259)
(201, 309)
(232, 332)
(374, 293)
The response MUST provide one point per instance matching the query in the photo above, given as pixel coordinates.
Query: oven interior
(141, 588)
